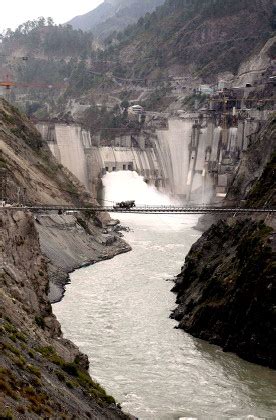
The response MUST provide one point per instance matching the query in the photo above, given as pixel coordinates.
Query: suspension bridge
(61, 209)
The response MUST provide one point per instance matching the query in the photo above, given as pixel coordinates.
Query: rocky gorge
(226, 290)
(205, 80)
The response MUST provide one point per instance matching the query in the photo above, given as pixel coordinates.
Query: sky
(15, 12)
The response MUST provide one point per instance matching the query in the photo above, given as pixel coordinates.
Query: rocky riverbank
(226, 291)
(41, 375)
(72, 241)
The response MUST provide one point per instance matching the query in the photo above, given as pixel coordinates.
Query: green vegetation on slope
(104, 122)
(44, 37)
(211, 35)
(48, 54)
(199, 37)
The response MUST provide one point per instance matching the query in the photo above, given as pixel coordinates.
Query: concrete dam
(192, 159)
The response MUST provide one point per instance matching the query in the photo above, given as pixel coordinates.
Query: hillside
(199, 41)
(205, 37)
(33, 175)
(226, 289)
(42, 38)
(114, 16)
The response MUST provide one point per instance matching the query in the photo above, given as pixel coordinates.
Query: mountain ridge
(113, 15)
(202, 37)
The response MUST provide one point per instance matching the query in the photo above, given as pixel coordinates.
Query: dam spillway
(192, 159)
(73, 147)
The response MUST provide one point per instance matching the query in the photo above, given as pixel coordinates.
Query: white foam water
(128, 185)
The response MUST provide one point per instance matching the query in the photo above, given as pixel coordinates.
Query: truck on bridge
(125, 205)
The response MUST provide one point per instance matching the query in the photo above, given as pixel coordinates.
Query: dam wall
(67, 143)
(101, 160)
(200, 156)
(89, 161)
(193, 158)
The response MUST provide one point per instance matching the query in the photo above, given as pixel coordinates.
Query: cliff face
(41, 374)
(250, 171)
(226, 291)
(34, 176)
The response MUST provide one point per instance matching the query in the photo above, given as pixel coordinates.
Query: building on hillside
(135, 109)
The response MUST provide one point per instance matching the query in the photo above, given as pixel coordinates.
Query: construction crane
(8, 84)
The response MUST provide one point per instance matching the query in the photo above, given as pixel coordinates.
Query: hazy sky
(15, 12)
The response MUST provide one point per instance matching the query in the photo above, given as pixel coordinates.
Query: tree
(125, 104)
(50, 21)
(41, 22)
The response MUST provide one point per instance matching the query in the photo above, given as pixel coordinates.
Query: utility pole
(18, 195)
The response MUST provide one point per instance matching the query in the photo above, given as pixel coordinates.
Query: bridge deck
(145, 209)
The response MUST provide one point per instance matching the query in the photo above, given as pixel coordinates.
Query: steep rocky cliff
(226, 291)
(32, 175)
(250, 176)
(42, 375)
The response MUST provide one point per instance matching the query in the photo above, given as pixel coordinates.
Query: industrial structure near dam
(194, 158)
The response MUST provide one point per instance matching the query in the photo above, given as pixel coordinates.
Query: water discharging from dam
(128, 185)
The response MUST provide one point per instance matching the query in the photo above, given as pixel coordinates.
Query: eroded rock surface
(41, 374)
(226, 291)
(34, 177)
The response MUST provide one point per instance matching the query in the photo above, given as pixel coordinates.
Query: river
(117, 312)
